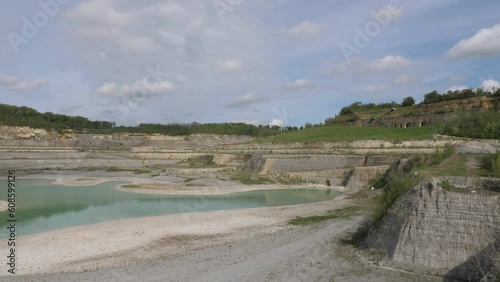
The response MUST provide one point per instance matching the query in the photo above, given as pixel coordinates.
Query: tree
(408, 101)
(432, 97)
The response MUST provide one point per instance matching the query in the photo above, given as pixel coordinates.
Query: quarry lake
(43, 206)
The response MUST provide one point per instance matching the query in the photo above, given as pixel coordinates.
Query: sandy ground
(201, 186)
(233, 245)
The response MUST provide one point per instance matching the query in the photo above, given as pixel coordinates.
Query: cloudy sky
(256, 61)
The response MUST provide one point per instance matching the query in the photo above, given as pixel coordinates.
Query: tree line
(435, 97)
(25, 116)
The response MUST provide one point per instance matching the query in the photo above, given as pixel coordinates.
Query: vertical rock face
(433, 231)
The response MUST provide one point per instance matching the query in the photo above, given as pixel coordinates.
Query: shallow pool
(44, 206)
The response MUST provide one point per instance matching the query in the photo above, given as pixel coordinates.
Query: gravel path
(304, 253)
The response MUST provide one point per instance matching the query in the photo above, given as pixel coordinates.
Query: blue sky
(284, 62)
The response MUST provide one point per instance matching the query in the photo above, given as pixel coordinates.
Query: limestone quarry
(429, 230)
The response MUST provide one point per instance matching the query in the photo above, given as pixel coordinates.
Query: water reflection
(44, 206)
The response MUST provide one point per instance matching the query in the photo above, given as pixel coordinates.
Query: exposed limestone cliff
(433, 231)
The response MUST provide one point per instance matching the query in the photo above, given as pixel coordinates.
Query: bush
(440, 156)
(473, 125)
(399, 184)
(491, 163)
(408, 101)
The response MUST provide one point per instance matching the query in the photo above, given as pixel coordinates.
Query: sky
(278, 62)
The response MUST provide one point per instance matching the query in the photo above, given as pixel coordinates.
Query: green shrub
(447, 186)
(473, 125)
(441, 155)
(399, 184)
(491, 163)
(378, 181)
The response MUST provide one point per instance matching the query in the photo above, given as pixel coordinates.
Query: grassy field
(349, 133)
(334, 214)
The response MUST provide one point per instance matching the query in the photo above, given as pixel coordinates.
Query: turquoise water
(44, 206)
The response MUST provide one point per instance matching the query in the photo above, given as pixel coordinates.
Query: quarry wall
(433, 231)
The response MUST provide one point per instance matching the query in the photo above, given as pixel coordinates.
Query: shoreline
(141, 240)
(132, 241)
(162, 187)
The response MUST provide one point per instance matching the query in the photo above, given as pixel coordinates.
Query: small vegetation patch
(453, 166)
(399, 184)
(290, 179)
(334, 214)
(250, 178)
(448, 186)
(131, 186)
(201, 161)
(441, 155)
(491, 163)
(144, 171)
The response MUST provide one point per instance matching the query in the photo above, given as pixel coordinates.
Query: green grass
(450, 187)
(399, 184)
(350, 133)
(113, 169)
(201, 162)
(491, 164)
(340, 213)
(131, 186)
(250, 179)
(452, 166)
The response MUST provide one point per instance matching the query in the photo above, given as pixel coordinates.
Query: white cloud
(245, 100)
(396, 13)
(402, 79)
(375, 88)
(214, 33)
(388, 62)
(138, 44)
(228, 66)
(189, 44)
(486, 42)
(28, 85)
(100, 12)
(490, 85)
(173, 38)
(304, 30)
(457, 88)
(277, 122)
(173, 10)
(107, 89)
(142, 88)
(354, 63)
(297, 84)
(119, 38)
(8, 79)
